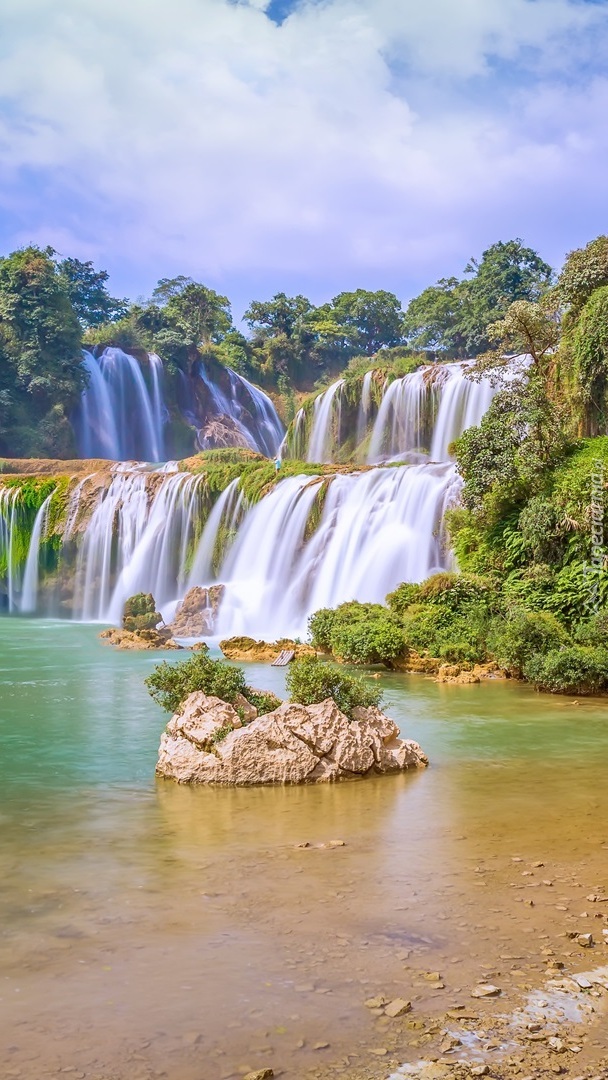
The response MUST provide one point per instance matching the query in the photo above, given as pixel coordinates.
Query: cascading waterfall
(364, 406)
(249, 407)
(326, 414)
(313, 541)
(136, 542)
(377, 528)
(120, 416)
(427, 410)
(29, 590)
(8, 522)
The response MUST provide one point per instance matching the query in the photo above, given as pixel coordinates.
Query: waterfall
(326, 409)
(29, 590)
(120, 417)
(136, 541)
(364, 406)
(225, 515)
(427, 410)
(250, 409)
(8, 531)
(377, 528)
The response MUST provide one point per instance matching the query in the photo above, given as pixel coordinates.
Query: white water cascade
(427, 410)
(136, 541)
(249, 407)
(377, 528)
(120, 415)
(8, 521)
(326, 414)
(29, 590)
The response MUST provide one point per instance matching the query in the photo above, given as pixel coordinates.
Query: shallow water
(148, 929)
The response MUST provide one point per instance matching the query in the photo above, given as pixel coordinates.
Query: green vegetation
(311, 680)
(170, 684)
(357, 633)
(465, 619)
(140, 613)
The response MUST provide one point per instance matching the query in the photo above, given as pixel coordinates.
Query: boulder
(207, 742)
(195, 616)
(140, 639)
(248, 649)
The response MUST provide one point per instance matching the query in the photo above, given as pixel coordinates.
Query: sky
(314, 146)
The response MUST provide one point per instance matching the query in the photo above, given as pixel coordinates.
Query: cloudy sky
(308, 146)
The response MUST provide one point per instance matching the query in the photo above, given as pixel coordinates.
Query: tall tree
(41, 366)
(453, 315)
(86, 288)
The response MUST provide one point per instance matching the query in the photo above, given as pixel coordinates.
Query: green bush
(311, 680)
(402, 598)
(377, 640)
(320, 628)
(170, 684)
(524, 634)
(357, 633)
(263, 700)
(575, 669)
(593, 631)
(457, 638)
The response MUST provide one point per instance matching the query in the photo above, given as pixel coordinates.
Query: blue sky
(311, 147)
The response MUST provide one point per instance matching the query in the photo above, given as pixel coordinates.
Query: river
(149, 930)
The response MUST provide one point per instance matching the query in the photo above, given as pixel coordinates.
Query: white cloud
(200, 136)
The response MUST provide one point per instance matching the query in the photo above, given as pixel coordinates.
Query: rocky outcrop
(454, 673)
(221, 432)
(195, 616)
(247, 649)
(140, 639)
(207, 742)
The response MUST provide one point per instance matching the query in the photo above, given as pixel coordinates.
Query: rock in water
(248, 649)
(196, 615)
(206, 743)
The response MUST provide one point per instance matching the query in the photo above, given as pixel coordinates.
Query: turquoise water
(141, 921)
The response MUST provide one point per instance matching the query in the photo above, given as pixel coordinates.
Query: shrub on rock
(170, 684)
(140, 613)
(311, 680)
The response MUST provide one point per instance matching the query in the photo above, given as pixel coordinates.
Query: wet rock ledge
(208, 742)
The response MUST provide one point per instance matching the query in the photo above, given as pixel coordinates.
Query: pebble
(480, 1070)
(259, 1074)
(585, 941)
(379, 1051)
(321, 1046)
(398, 1007)
(376, 1002)
(485, 990)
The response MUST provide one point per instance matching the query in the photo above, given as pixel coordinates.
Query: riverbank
(151, 929)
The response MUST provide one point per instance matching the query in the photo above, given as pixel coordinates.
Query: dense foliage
(170, 684)
(311, 680)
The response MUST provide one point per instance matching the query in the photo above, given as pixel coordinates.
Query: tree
(585, 270)
(41, 365)
(507, 272)
(199, 314)
(86, 289)
(281, 315)
(365, 321)
(434, 319)
(453, 316)
(589, 345)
